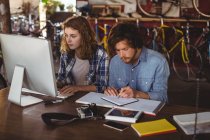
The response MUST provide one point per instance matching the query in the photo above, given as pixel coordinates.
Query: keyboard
(61, 96)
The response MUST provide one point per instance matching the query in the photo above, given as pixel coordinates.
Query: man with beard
(135, 71)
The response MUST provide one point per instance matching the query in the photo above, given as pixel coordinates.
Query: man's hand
(127, 92)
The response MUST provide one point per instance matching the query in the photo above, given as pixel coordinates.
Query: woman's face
(73, 38)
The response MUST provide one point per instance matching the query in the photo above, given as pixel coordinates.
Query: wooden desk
(17, 123)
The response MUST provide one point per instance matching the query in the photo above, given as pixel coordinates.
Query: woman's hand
(69, 90)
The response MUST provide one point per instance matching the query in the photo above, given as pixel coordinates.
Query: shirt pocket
(121, 83)
(145, 84)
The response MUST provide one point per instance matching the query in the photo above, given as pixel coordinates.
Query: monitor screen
(34, 55)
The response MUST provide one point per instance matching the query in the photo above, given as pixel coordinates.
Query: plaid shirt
(98, 71)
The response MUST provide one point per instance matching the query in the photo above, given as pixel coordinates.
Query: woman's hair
(88, 38)
(124, 31)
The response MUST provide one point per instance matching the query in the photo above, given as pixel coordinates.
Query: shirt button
(145, 82)
(132, 69)
(132, 80)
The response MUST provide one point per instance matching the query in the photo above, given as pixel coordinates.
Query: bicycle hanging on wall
(159, 8)
(198, 8)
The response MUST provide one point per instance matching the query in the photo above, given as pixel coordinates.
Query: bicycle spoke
(187, 71)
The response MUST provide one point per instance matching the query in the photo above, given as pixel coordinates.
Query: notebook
(186, 119)
(187, 122)
(153, 127)
(150, 107)
(119, 100)
(117, 114)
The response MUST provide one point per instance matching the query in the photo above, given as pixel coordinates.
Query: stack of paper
(153, 127)
(187, 122)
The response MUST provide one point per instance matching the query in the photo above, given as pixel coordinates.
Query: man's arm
(160, 85)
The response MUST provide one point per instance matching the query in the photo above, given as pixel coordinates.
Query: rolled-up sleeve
(160, 84)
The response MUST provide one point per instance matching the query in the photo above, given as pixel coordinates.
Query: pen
(118, 96)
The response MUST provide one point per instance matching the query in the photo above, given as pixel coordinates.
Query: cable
(198, 76)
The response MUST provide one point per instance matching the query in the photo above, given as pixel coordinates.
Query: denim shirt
(149, 75)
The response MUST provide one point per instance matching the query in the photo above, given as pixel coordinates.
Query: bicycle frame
(203, 40)
(181, 42)
(186, 59)
(105, 33)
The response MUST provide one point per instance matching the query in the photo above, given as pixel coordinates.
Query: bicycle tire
(204, 51)
(198, 10)
(187, 71)
(146, 7)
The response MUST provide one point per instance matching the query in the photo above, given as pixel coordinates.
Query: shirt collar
(143, 55)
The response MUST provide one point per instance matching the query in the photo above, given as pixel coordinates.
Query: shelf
(151, 22)
(146, 19)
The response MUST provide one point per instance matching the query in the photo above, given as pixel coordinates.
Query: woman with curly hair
(83, 63)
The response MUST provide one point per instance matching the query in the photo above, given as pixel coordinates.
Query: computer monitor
(29, 64)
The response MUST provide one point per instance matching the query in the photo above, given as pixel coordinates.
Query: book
(150, 107)
(153, 127)
(117, 114)
(186, 119)
(119, 100)
(187, 122)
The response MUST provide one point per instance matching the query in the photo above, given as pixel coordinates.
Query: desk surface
(25, 123)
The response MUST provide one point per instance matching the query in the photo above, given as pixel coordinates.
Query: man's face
(127, 54)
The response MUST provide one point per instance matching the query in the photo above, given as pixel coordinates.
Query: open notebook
(118, 100)
(150, 107)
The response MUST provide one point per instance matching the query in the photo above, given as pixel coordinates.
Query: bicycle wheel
(153, 8)
(204, 51)
(157, 46)
(199, 10)
(187, 71)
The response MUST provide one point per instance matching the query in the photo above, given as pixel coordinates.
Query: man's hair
(124, 31)
(88, 42)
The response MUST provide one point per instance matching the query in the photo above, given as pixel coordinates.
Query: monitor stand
(15, 92)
